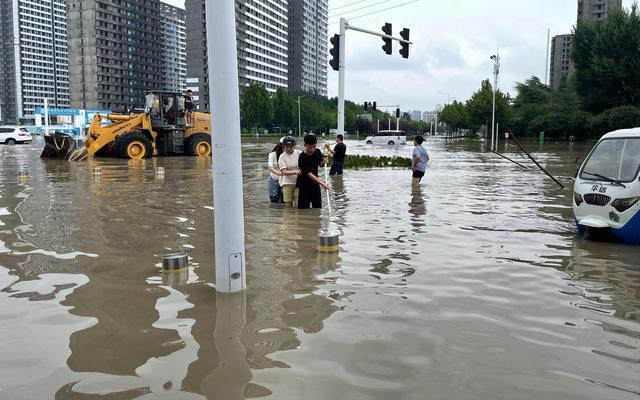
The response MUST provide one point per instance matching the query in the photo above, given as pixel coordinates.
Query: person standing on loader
(188, 108)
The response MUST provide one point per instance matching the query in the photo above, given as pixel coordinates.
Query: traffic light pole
(344, 26)
(343, 29)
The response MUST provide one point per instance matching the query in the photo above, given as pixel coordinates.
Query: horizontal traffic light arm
(382, 35)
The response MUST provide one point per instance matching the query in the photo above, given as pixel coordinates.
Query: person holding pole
(339, 151)
(308, 162)
(420, 159)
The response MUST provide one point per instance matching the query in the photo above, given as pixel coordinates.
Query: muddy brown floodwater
(473, 286)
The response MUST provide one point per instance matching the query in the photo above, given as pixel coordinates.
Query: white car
(390, 138)
(14, 134)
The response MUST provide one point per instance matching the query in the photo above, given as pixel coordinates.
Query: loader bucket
(64, 146)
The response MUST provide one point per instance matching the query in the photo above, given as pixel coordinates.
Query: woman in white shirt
(275, 191)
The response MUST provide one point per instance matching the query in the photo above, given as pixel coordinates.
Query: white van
(606, 195)
(387, 137)
(14, 134)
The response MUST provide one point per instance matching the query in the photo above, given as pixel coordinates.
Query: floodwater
(472, 286)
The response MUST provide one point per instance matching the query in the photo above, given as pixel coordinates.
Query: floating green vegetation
(358, 161)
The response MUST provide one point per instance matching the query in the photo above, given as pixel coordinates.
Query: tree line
(279, 112)
(600, 94)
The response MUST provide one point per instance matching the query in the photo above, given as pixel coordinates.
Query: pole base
(328, 242)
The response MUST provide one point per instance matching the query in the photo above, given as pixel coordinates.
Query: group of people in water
(293, 177)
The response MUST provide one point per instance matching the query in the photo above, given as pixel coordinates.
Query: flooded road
(472, 286)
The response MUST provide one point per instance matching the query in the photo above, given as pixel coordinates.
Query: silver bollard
(160, 173)
(328, 242)
(97, 171)
(175, 262)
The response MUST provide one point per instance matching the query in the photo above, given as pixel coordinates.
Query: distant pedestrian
(420, 159)
(339, 152)
(309, 161)
(275, 191)
(188, 107)
(289, 171)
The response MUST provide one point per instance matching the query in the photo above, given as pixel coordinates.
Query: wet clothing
(424, 157)
(288, 161)
(188, 103)
(275, 191)
(310, 194)
(418, 174)
(338, 159)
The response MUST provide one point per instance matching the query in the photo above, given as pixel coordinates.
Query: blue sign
(58, 111)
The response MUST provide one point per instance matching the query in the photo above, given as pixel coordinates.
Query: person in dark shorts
(308, 162)
(339, 151)
(419, 158)
(188, 107)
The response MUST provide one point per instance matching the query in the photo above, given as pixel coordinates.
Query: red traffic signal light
(404, 47)
(387, 30)
(335, 52)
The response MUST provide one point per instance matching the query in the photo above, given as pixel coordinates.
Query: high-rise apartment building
(588, 11)
(308, 35)
(33, 49)
(174, 50)
(115, 52)
(262, 43)
(596, 10)
(560, 59)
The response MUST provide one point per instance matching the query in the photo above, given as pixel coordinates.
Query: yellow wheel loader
(159, 130)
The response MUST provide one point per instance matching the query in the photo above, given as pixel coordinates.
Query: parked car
(387, 137)
(14, 134)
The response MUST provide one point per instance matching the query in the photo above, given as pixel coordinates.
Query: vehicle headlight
(577, 198)
(623, 205)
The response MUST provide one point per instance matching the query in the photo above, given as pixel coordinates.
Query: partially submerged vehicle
(159, 130)
(606, 198)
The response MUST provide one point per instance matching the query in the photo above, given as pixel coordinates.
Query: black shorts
(418, 174)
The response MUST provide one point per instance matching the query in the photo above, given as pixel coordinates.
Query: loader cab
(166, 109)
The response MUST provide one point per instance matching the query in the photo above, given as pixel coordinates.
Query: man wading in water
(308, 162)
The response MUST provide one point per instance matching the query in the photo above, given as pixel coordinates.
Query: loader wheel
(133, 145)
(198, 145)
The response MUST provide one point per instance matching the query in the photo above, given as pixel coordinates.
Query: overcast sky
(453, 40)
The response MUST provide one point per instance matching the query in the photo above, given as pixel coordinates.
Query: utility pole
(496, 71)
(227, 157)
(546, 63)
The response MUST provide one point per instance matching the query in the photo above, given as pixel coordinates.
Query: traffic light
(387, 41)
(397, 113)
(404, 47)
(374, 106)
(335, 52)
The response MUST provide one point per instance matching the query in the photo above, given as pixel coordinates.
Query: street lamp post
(448, 96)
(299, 122)
(496, 71)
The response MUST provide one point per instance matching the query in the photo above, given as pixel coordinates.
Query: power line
(357, 9)
(347, 5)
(378, 11)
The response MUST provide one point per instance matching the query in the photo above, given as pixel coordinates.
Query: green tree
(479, 106)
(256, 106)
(606, 56)
(455, 115)
(285, 110)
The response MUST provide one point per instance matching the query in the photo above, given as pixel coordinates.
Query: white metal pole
(226, 145)
(299, 123)
(389, 124)
(398, 123)
(493, 117)
(546, 63)
(436, 125)
(341, 77)
(497, 135)
(46, 116)
(378, 126)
